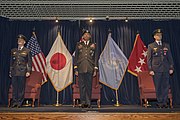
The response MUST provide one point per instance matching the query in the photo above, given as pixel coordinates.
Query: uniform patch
(24, 53)
(165, 49)
(80, 46)
(14, 53)
(155, 49)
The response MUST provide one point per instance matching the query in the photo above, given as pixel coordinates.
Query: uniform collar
(86, 42)
(20, 48)
(157, 42)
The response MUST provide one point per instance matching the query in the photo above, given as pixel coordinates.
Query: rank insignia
(155, 49)
(165, 49)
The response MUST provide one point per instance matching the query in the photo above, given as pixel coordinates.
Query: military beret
(157, 31)
(21, 36)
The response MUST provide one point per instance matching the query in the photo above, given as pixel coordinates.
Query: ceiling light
(90, 20)
(126, 20)
(56, 20)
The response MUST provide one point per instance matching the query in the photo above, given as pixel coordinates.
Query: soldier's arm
(11, 63)
(149, 58)
(29, 63)
(96, 58)
(170, 59)
(76, 57)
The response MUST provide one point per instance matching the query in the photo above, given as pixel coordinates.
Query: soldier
(85, 62)
(20, 68)
(160, 64)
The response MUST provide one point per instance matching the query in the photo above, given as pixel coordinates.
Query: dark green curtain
(124, 35)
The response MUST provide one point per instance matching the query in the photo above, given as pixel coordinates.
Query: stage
(103, 109)
(106, 112)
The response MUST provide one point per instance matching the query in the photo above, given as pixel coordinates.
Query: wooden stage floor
(88, 116)
(106, 112)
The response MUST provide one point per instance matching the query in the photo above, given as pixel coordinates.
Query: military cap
(157, 31)
(86, 31)
(21, 36)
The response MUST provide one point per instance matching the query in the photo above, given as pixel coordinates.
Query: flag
(112, 64)
(38, 58)
(59, 65)
(138, 57)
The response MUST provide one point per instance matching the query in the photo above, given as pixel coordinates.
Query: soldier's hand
(171, 72)
(76, 73)
(94, 74)
(27, 74)
(10, 75)
(151, 72)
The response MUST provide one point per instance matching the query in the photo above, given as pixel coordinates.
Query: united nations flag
(112, 64)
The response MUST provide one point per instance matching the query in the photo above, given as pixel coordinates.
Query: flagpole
(117, 101)
(57, 100)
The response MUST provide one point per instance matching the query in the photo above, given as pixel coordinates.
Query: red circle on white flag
(58, 61)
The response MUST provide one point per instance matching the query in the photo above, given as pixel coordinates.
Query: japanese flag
(59, 65)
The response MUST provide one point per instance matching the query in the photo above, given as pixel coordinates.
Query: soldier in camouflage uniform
(85, 67)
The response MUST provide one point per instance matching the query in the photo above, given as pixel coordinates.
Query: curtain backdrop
(124, 35)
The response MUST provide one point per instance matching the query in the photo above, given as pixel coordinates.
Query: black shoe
(86, 106)
(82, 106)
(89, 106)
(13, 106)
(18, 106)
(159, 106)
(165, 106)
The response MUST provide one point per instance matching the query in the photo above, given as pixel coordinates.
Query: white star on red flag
(138, 69)
(141, 61)
(144, 53)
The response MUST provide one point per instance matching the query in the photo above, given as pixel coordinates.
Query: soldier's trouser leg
(21, 89)
(161, 82)
(88, 84)
(165, 87)
(82, 89)
(14, 90)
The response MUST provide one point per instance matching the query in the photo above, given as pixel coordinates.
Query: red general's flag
(138, 57)
(59, 65)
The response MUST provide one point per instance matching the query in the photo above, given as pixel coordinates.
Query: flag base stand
(27, 104)
(57, 101)
(117, 101)
(117, 104)
(146, 104)
(57, 105)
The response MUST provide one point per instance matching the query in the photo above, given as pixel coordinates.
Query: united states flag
(38, 58)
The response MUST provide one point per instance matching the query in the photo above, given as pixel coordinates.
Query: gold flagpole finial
(58, 30)
(33, 32)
